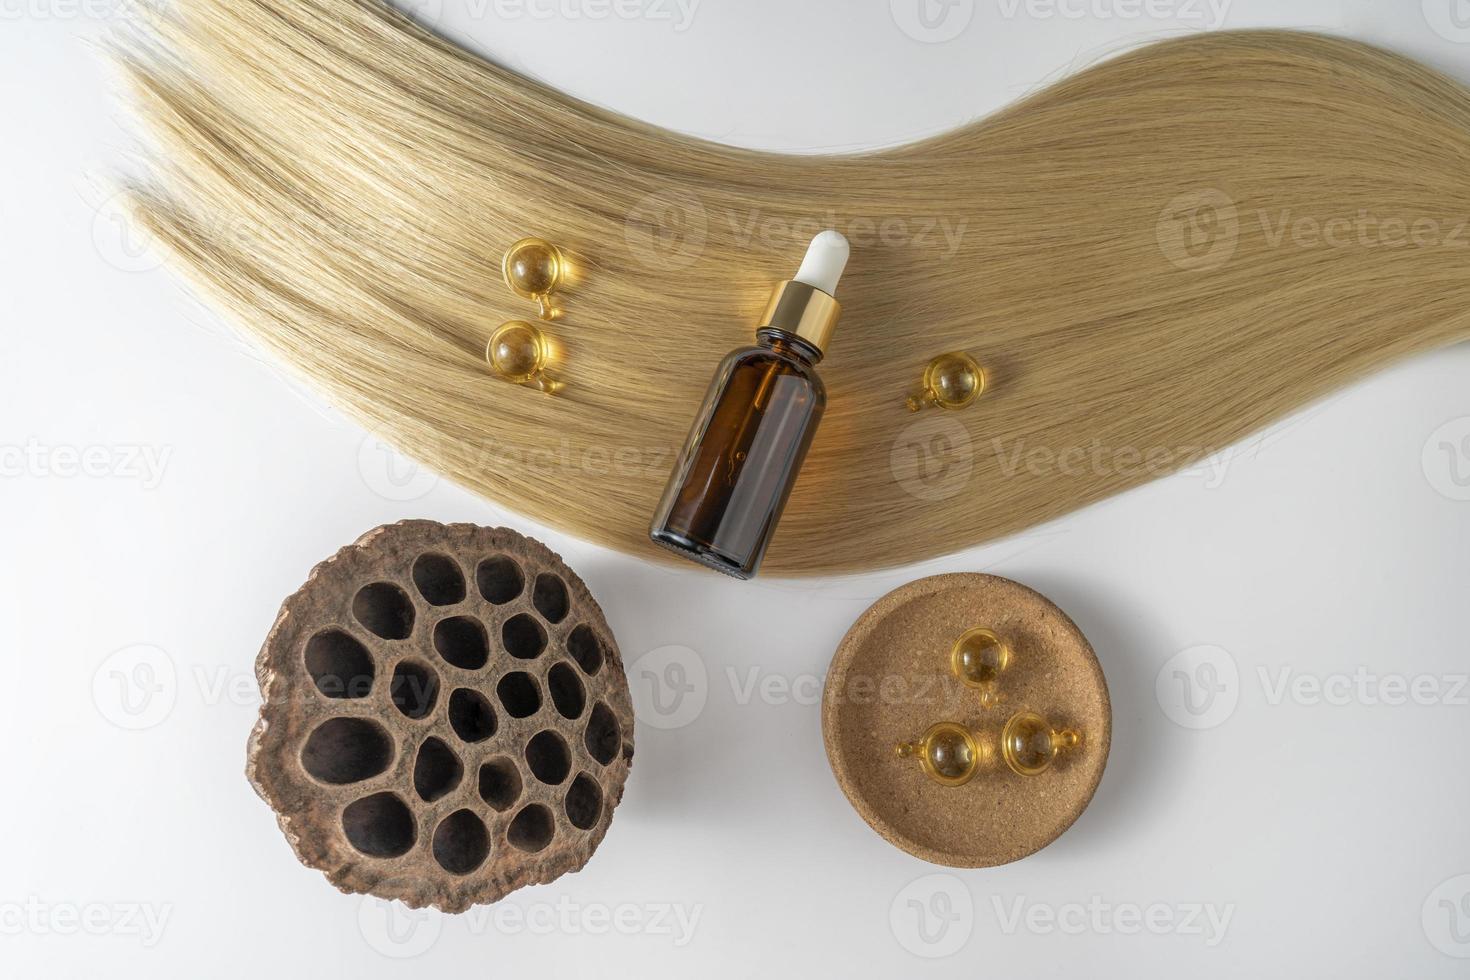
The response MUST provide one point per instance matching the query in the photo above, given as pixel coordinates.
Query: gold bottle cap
(804, 311)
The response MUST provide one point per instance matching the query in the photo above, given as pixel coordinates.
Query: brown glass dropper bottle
(757, 421)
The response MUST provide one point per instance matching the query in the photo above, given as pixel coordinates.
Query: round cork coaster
(890, 680)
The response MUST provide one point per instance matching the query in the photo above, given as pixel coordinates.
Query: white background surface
(1332, 835)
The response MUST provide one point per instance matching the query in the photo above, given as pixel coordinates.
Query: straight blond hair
(1152, 259)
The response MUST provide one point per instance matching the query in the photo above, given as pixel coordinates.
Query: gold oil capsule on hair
(755, 426)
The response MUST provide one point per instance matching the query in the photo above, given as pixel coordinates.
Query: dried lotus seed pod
(445, 717)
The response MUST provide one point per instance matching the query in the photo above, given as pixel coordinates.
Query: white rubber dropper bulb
(826, 257)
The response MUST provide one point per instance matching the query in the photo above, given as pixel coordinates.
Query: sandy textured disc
(890, 680)
(445, 716)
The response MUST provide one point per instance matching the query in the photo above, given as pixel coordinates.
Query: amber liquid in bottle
(744, 451)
